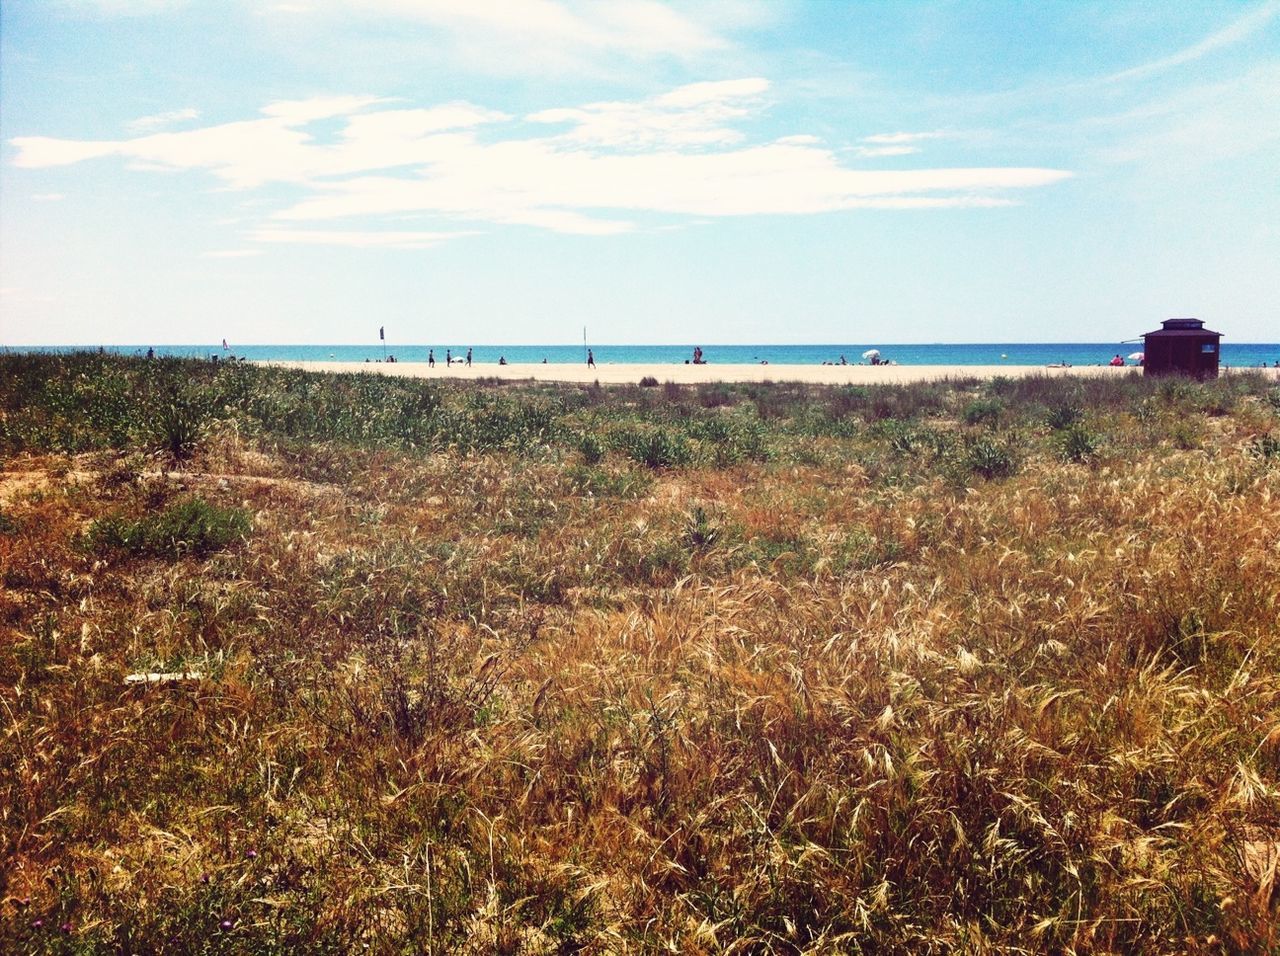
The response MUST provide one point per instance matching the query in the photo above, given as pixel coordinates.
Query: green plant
(656, 446)
(590, 447)
(990, 459)
(191, 527)
(984, 411)
(1077, 443)
(179, 418)
(648, 382)
(1062, 416)
(701, 531)
(1266, 447)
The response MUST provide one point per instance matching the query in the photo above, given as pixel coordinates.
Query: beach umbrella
(1137, 356)
(870, 353)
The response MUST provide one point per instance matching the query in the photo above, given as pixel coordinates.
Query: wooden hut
(1181, 347)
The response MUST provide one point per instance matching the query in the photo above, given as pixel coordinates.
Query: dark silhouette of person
(448, 357)
(502, 360)
(591, 359)
(431, 358)
(468, 358)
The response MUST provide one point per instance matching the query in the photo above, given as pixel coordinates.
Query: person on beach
(502, 360)
(591, 359)
(468, 358)
(448, 357)
(1117, 361)
(151, 353)
(431, 358)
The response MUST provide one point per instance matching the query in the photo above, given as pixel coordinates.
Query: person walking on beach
(468, 358)
(448, 357)
(591, 359)
(431, 358)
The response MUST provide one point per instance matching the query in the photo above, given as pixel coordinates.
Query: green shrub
(656, 447)
(190, 527)
(1078, 443)
(590, 447)
(1062, 416)
(984, 411)
(1266, 447)
(990, 459)
(701, 531)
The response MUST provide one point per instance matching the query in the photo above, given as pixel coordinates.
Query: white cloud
(230, 253)
(301, 112)
(1236, 32)
(49, 197)
(694, 115)
(634, 27)
(680, 154)
(868, 152)
(144, 123)
(895, 138)
(363, 240)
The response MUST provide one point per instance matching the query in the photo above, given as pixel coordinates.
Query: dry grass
(478, 698)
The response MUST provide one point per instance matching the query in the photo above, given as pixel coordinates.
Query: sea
(1234, 354)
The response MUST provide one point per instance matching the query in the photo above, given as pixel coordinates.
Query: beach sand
(610, 374)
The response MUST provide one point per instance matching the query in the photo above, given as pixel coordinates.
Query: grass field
(950, 667)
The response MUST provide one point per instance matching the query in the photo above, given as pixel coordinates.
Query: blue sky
(461, 170)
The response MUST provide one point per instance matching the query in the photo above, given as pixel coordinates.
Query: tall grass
(489, 674)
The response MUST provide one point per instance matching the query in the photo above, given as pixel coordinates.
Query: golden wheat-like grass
(497, 702)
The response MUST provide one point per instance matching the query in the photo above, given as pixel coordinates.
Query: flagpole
(584, 343)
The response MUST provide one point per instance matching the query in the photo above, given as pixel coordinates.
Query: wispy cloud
(1240, 30)
(681, 154)
(144, 123)
(892, 139)
(871, 152)
(524, 35)
(693, 115)
(230, 253)
(49, 197)
(360, 240)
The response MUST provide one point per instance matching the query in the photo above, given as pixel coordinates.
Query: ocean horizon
(1234, 354)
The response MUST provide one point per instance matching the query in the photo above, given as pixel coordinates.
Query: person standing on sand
(468, 358)
(431, 358)
(448, 357)
(591, 359)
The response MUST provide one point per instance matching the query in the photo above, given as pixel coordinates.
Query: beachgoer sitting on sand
(502, 360)
(1117, 361)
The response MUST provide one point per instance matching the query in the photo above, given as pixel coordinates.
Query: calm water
(1012, 353)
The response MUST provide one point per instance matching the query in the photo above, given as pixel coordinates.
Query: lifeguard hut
(1181, 347)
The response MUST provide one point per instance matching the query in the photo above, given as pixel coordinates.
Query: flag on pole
(382, 332)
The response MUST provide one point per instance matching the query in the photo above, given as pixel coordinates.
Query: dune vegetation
(293, 662)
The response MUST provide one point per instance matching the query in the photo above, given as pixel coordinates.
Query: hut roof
(1182, 327)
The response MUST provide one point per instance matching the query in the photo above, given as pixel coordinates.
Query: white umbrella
(869, 353)
(1137, 356)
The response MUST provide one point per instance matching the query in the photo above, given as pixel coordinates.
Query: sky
(719, 171)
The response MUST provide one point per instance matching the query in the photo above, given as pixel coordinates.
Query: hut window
(1209, 347)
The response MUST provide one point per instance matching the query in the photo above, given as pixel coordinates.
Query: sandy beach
(617, 374)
